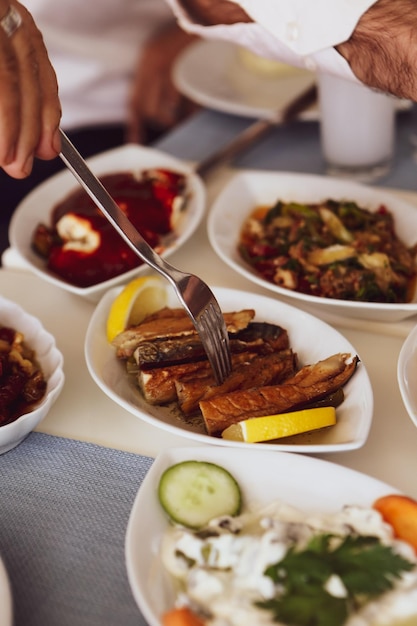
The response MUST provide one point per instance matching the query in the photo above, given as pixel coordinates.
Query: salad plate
(250, 189)
(309, 484)
(37, 207)
(407, 374)
(310, 338)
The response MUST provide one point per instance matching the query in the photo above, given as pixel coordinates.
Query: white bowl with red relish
(251, 189)
(18, 415)
(107, 260)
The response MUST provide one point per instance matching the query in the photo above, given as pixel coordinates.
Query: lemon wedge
(139, 298)
(257, 429)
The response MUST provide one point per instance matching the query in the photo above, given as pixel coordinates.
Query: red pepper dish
(84, 249)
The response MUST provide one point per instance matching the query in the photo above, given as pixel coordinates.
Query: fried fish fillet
(158, 370)
(158, 384)
(171, 323)
(264, 370)
(311, 382)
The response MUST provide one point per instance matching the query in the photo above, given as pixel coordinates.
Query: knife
(257, 130)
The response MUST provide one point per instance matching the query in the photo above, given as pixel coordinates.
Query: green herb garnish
(365, 566)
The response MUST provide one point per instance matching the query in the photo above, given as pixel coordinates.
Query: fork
(195, 296)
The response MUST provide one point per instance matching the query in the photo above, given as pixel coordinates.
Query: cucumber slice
(193, 492)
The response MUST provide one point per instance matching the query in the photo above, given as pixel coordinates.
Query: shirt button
(292, 31)
(310, 64)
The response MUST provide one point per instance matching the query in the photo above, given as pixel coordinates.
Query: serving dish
(311, 338)
(51, 362)
(407, 374)
(37, 206)
(6, 602)
(310, 484)
(252, 188)
(227, 85)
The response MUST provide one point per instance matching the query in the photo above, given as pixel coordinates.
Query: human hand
(29, 104)
(155, 104)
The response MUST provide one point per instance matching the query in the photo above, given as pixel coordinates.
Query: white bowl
(310, 338)
(51, 362)
(310, 484)
(37, 206)
(407, 374)
(250, 189)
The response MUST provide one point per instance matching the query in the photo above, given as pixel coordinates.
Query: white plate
(310, 484)
(249, 189)
(407, 374)
(37, 206)
(226, 85)
(311, 338)
(6, 604)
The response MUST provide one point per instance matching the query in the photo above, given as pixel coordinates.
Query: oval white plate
(226, 85)
(6, 603)
(38, 205)
(251, 188)
(310, 484)
(407, 374)
(311, 338)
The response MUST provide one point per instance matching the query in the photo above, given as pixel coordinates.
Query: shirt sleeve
(299, 32)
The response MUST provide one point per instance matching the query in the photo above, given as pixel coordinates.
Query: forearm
(382, 50)
(211, 12)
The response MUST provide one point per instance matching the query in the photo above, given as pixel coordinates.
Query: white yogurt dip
(220, 571)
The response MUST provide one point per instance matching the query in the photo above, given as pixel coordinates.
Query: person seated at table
(113, 64)
(373, 41)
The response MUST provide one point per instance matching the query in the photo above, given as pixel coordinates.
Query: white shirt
(94, 46)
(297, 32)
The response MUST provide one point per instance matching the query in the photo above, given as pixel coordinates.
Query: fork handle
(77, 165)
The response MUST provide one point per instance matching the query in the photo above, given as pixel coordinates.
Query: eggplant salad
(333, 249)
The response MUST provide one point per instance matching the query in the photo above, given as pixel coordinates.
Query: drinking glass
(357, 128)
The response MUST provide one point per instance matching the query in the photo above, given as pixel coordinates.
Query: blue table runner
(64, 508)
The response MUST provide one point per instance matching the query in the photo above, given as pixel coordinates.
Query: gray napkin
(64, 508)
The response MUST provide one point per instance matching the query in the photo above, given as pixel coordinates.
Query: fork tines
(213, 333)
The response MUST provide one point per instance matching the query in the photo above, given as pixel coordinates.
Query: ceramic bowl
(37, 208)
(51, 362)
(250, 189)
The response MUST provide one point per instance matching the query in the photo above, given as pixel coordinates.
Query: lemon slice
(257, 429)
(139, 298)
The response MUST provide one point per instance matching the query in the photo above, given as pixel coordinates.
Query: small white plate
(252, 188)
(407, 374)
(311, 338)
(37, 207)
(226, 85)
(313, 485)
(6, 603)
